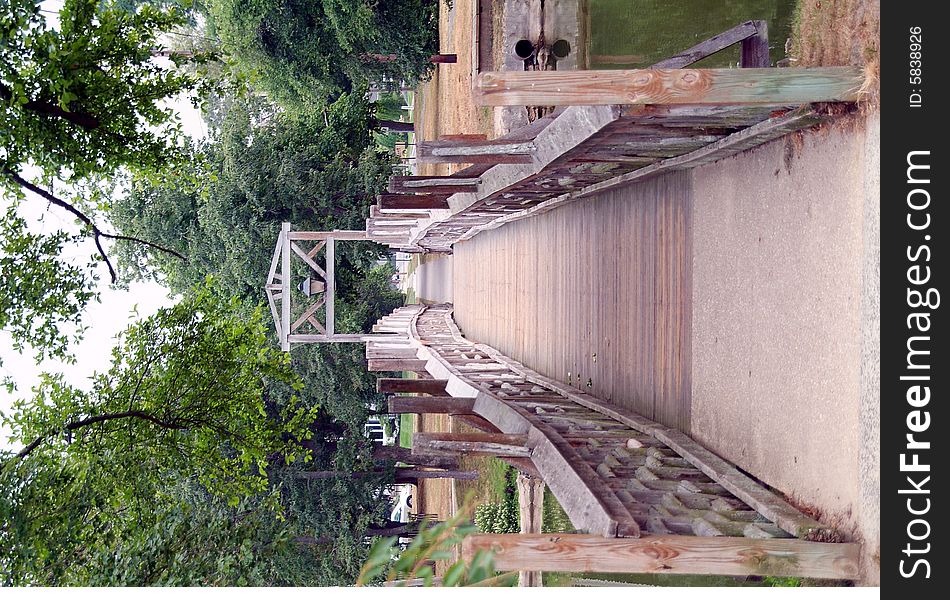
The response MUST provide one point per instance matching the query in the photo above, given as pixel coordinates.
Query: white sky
(106, 318)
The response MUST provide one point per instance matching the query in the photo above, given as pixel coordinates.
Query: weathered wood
(396, 364)
(524, 465)
(490, 152)
(405, 455)
(463, 137)
(477, 422)
(430, 405)
(435, 58)
(755, 49)
(395, 385)
(377, 213)
(675, 86)
(711, 46)
(341, 234)
(432, 185)
(492, 444)
(749, 137)
(530, 499)
(402, 474)
(670, 554)
(400, 126)
(411, 201)
(329, 293)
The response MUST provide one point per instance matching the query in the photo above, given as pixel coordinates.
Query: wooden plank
(463, 137)
(490, 444)
(674, 86)
(490, 152)
(476, 422)
(390, 385)
(330, 292)
(669, 554)
(396, 364)
(755, 49)
(431, 405)
(307, 315)
(711, 46)
(285, 275)
(432, 185)
(411, 201)
(339, 234)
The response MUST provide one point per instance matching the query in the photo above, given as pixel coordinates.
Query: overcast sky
(104, 319)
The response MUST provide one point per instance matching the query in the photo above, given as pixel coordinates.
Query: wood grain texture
(709, 47)
(390, 385)
(594, 294)
(668, 86)
(430, 404)
(673, 554)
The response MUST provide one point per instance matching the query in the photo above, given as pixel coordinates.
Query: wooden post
(674, 86)
(494, 152)
(493, 444)
(672, 554)
(411, 201)
(463, 137)
(402, 474)
(330, 291)
(435, 58)
(714, 44)
(430, 405)
(755, 49)
(388, 385)
(432, 185)
(396, 364)
(476, 422)
(530, 500)
(443, 58)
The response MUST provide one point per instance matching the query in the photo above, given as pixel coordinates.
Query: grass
(407, 427)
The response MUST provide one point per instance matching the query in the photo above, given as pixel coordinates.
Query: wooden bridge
(648, 497)
(616, 473)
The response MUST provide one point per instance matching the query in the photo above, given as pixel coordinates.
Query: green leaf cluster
(435, 542)
(183, 401)
(304, 54)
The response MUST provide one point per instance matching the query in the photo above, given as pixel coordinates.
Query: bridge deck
(596, 299)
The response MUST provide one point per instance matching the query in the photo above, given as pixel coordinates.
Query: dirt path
(444, 105)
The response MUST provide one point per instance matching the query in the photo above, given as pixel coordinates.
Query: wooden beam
(431, 405)
(755, 49)
(387, 385)
(285, 329)
(411, 201)
(668, 554)
(432, 185)
(463, 137)
(487, 152)
(492, 444)
(675, 86)
(329, 292)
(709, 47)
(476, 422)
(396, 364)
(340, 234)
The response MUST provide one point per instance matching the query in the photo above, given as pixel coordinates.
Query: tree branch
(74, 425)
(84, 120)
(96, 232)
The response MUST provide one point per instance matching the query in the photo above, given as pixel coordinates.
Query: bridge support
(669, 554)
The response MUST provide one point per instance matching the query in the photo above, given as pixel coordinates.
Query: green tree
(78, 101)
(304, 54)
(184, 397)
